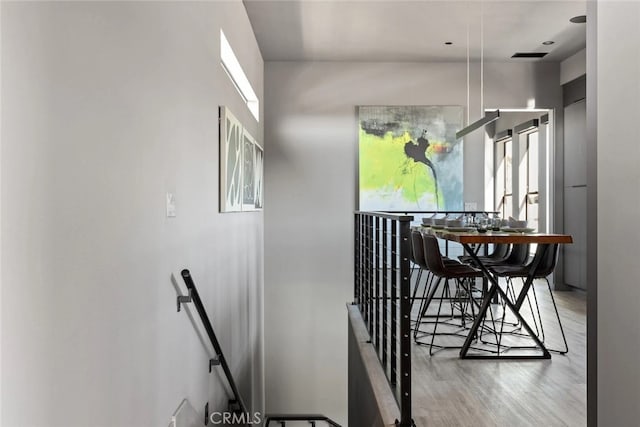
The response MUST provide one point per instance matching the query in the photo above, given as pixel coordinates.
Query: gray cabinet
(575, 193)
(575, 224)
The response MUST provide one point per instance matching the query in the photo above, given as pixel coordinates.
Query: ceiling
(414, 31)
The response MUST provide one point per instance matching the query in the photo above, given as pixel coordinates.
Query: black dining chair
(547, 259)
(418, 258)
(462, 297)
(500, 253)
(518, 256)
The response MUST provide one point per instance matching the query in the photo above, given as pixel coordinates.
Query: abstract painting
(248, 172)
(231, 147)
(409, 158)
(259, 174)
(241, 166)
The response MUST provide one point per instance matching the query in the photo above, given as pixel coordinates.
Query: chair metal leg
(435, 326)
(462, 299)
(510, 291)
(533, 316)
(564, 338)
(417, 285)
(424, 305)
(420, 309)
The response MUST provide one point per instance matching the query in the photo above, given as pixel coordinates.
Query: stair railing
(381, 293)
(280, 418)
(219, 360)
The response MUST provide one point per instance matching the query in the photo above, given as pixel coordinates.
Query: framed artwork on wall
(248, 172)
(241, 166)
(231, 147)
(409, 158)
(259, 175)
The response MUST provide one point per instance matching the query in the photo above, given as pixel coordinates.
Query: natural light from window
(238, 77)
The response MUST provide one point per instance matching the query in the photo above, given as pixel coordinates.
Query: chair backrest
(500, 251)
(519, 254)
(432, 255)
(548, 262)
(417, 249)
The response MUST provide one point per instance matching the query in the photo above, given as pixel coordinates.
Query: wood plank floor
(449, 391)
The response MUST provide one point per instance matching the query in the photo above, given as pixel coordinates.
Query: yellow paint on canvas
(385, 166)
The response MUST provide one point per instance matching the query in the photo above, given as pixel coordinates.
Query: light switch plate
(470, 206)
(171, 205)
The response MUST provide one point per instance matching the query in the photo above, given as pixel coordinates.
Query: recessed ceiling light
(580, 19)
(548, 42)
(448, 43)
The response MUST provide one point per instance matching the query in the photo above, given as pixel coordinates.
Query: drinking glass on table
(482, 224)
(469, 220)
(496, 222)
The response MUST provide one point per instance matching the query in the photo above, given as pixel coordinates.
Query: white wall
(105, 108)
(311, 133)
(573, 67)
(618, 151)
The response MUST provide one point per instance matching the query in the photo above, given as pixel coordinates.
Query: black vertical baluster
(356, 258)
(365, 300)
(405, 326)
(370, 278)
(376, 316)
(385, 283)
(392, 303)
(362, 261)
(365, 269)
(369, 271)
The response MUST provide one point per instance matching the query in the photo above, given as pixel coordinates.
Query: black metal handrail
(381, 292)
(472, 213)
(282, 418)
(197, 302)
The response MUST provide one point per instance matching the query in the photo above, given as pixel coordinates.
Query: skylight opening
(235, 72)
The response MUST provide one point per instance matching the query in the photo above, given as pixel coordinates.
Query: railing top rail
(441, 212)
(408, 216)
(387, 215)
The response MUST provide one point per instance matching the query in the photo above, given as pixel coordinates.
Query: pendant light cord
(468, 84)
(481, 59)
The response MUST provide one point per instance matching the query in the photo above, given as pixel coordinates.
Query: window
(504, 175)
(522, 169)
(528, 172)
(531, 202)
(238, 77)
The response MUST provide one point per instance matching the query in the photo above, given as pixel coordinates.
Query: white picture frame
(231, 185)
(248, 172)
(241, 166)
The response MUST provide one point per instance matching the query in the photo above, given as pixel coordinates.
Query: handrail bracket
(183, 299)
(214, 362)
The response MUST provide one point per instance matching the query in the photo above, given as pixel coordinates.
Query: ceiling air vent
(529, 54)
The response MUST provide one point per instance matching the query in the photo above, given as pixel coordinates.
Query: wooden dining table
(470, 241)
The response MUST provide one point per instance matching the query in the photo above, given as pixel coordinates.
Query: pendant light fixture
(490, 116)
